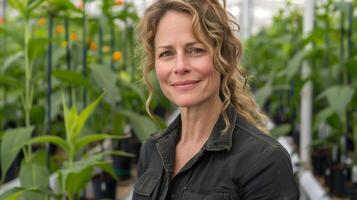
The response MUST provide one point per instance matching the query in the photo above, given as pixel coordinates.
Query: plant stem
(27, 102)
(28, 89)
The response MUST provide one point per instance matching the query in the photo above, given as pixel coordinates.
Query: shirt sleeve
(272, 177)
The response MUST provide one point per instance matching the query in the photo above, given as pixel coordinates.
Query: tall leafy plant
(77, 170)
(31, 168)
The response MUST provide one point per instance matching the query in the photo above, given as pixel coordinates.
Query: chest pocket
(145, 185)
(190, 194)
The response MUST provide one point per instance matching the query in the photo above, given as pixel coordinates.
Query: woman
(216, 148)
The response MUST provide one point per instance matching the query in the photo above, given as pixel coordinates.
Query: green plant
(78, 168)
(275, 56)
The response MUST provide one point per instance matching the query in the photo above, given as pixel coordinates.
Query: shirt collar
(217, 141)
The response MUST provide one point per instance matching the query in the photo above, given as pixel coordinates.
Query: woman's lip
(183, 83)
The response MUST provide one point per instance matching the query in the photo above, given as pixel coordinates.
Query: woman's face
(183, 65)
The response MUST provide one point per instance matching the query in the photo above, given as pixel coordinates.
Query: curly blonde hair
(211, 21)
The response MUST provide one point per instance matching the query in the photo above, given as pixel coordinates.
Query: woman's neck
(198, 121)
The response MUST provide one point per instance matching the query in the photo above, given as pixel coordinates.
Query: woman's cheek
(162, 74)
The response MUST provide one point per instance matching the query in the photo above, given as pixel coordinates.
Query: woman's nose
(181, 65)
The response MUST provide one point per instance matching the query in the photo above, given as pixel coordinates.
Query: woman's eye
(196, 51)
(165, 54)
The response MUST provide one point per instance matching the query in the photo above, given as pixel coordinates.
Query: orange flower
(116, 55)
(74, 36)
(64, 44)
(41, 21)
(2, 21)
(59, 29)
(92, 46)
(119, 2)
(106, 49)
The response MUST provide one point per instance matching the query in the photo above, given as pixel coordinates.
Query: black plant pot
(338, 177)
(353, 192)
(104, 186)
(320, 161)
(121, 164)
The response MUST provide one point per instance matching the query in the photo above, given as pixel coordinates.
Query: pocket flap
(146, 183)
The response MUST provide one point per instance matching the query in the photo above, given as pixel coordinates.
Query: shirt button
(172, 196)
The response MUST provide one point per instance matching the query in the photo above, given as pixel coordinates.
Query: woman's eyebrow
(170, 46)
(164, 47)
(192, 43)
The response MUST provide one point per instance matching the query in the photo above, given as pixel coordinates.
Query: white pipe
(311, 187)
(306, 93)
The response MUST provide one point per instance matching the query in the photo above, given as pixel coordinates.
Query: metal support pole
(49, 85)
(84, 54)
(247, 18)
(306, 93)
(68, 56)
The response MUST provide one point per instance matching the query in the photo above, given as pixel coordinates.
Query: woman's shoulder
(249, 139)
(149, 144)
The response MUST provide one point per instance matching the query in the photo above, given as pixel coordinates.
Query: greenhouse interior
(73, 100)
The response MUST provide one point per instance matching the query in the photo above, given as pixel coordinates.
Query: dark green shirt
(242, 164)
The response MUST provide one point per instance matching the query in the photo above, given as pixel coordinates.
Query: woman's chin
(187, 103)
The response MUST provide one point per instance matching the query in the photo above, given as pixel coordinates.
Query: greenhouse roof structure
(260, 12)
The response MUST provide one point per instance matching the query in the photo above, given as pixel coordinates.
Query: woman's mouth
(184, 85)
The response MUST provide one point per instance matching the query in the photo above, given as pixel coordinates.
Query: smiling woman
(216, 148)
(184, 65)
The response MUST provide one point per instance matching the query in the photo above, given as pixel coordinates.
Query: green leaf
(51, 139)
(73, 180)
(15, 33)
(37, 114)
(9, 81)
(11, 61)
(280, 130)
(12, 142)
(37, 46)
(135, 88)
(107, 167)
(84, 115)
(263, 93)
(55, 6)
(71, 120)
(119, 153)
(13, 194)
(322, 116)
(18, 5)
(339, 97)
(106, 80)
(70, 77)
(294, 64)
(34, 175)
(142, 125)
(34, 4)
(93, 138)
